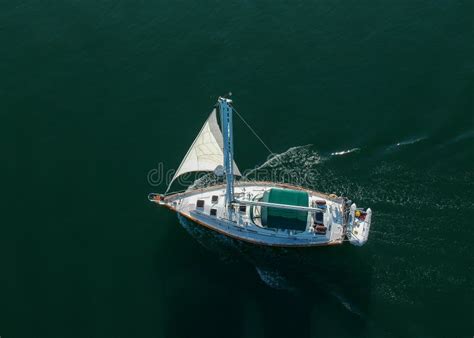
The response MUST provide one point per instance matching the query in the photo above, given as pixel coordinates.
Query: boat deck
(207, 208)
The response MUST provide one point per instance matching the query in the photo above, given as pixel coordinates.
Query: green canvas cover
(284, 218)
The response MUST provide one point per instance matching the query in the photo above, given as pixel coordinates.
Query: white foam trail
(276, 159)
(408, 142)
(204, 181)
(273, 279)
(400, 144)
(344, 152)
(347, 305)
(462, 137)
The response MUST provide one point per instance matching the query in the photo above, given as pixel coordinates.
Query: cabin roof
(284, 218)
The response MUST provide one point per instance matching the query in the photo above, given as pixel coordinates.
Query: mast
(225, 110)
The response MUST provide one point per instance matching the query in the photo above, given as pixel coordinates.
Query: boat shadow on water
(317, 281)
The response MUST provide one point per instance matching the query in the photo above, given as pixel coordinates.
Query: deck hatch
(200, 204)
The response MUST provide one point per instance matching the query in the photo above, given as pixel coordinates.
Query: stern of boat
(358, 226)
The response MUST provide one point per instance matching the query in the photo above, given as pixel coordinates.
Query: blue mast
(225, 110)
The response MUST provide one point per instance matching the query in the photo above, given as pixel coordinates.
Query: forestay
(206, 152)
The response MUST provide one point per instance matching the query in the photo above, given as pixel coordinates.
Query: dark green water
(95, 94)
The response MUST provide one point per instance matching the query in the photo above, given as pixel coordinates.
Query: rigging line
(252, 130)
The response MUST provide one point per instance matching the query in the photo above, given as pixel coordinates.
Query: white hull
(244, 224)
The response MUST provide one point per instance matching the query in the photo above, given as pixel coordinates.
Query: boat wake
(294, 166)
(299, 155)
(462, 137)
(273, 279)
(345, 152)
(400, 144)
(205, 181)
(346, 303)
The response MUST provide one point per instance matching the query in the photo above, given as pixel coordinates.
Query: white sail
(206, 152)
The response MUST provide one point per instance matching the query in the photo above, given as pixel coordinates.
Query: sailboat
(258, 212)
